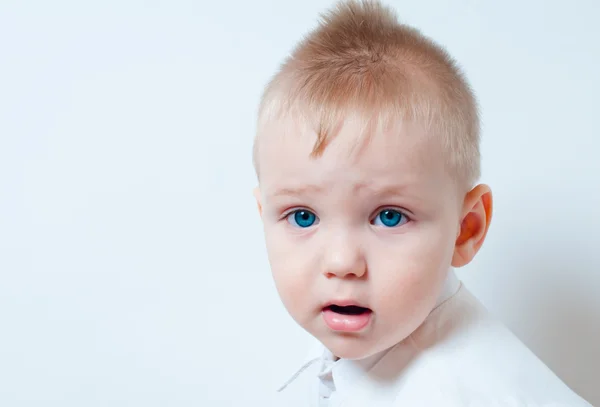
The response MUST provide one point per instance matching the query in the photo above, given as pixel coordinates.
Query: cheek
(406, 290)
(291, 269)
(431, 248)
(410, 273)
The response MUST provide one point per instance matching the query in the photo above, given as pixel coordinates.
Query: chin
(353, 347)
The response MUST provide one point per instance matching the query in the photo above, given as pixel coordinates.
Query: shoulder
(469, 355)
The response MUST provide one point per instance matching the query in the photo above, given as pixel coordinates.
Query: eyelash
(372, 218)
(290, 211)
(398, 210)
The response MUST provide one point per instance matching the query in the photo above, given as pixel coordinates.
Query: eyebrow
(385, 190)
(296, 191)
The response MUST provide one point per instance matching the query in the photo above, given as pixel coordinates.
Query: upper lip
(344, 303)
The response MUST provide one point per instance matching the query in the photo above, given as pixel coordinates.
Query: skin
(349, 252)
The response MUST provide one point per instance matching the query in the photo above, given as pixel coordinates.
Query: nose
(343, 257)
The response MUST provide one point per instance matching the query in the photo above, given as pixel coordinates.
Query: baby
(367, 156)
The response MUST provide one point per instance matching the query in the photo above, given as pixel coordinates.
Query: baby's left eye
(390, 218)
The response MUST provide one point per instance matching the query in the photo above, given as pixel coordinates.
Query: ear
(256, 193)
(476, 218)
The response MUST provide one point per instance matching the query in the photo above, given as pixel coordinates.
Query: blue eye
(302, 218)
(390, 218)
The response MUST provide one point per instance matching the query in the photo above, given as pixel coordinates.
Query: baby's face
(359, 244)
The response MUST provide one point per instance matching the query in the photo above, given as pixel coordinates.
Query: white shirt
(459, 357)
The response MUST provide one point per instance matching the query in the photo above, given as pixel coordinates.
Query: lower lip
(346, 323)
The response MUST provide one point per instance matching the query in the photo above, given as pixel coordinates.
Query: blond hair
(362, 61)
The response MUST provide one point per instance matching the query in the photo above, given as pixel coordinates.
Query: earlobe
(256, 193)
(477, 216)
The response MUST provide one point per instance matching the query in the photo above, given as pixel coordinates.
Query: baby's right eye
(302, 218)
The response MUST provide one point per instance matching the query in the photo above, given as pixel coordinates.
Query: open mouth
(348, 318)
(347, 310)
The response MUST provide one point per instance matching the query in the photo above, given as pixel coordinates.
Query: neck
(449, 288)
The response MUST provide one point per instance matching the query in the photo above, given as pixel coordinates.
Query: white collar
(345, 372)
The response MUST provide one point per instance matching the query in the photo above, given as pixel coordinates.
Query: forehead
(403, 153)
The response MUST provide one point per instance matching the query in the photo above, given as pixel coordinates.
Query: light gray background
(132, 266)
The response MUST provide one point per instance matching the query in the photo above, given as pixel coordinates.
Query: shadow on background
(566, 311)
